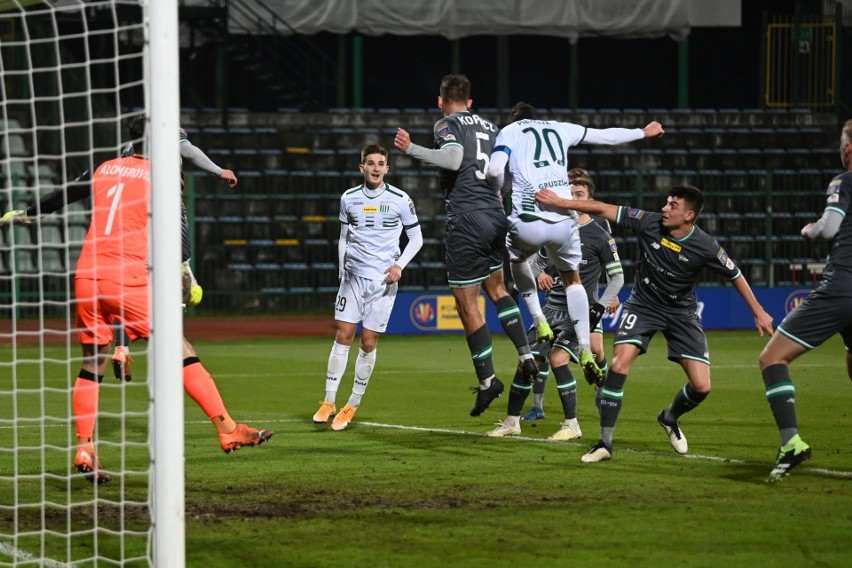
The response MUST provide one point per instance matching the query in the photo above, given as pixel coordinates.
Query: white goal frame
(167, 428)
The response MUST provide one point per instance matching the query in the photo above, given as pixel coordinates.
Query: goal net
(73, 75)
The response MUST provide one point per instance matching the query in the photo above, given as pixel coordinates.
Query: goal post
(167, 318)
(73, 75)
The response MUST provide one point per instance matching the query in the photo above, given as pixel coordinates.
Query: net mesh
(72, 77)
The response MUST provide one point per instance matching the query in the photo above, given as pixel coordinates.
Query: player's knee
(558, 358)
(368, 344)
(769, 357)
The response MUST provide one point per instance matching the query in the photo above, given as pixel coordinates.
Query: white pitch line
(822, 471)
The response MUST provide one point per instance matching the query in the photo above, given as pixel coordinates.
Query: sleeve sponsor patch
(833, 198)
(411, 208)
(183, 135)
(724, 259)
(613, 248)
(635, 213)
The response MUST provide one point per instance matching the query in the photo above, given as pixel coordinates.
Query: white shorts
(560, 240)
(366, 301)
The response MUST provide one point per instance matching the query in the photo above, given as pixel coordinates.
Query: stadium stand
(271, 242)
(762, 173)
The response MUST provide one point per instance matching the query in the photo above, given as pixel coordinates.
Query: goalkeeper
(111, 287)
(192, 291)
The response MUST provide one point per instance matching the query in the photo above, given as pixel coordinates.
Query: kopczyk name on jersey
(474, 119)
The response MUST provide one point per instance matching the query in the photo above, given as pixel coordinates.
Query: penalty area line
(821, 471)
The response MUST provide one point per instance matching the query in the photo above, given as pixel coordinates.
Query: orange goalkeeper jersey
(116, 246)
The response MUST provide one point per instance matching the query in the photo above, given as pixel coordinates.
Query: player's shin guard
(578, 307)
(85, 399)
(566, 385)
(518, 393)
(479, 343)
(611, 394)
(200, 387)
(337, 361)
(510, 319)
(781, 395)
(540, 382)
(525, 282)
(364, 366)
(685, 400)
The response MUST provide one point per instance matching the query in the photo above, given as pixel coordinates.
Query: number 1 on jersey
(115, 193)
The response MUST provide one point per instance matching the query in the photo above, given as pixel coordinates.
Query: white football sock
(525, 282)
(578, 307)
(337, 361)
(363, 369)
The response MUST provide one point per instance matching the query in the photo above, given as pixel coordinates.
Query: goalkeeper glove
(16, 217)
(192, 291)
(194, 298)
(596, 313)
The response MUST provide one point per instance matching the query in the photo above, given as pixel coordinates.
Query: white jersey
(538, 159)
(376, 218)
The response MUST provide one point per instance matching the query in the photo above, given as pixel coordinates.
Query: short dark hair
(578, 173)
(137, 134)
(523, 111)
(455, 89)
(373, 149)
(582, 177)
(691, 195)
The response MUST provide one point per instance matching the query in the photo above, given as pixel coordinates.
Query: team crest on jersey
(369, 209)
(670, 245)
(723, 258)
(384, 207)
(635, 213)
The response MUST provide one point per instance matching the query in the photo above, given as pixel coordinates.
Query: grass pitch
(412, 481)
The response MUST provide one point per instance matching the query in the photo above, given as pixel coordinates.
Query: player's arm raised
(194, 154)
(606, 210)
(448, 157)
(78, 189)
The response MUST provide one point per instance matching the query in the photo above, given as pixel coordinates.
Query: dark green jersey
(668, 267)
(838, 196)
(599, 254)
(467, 189)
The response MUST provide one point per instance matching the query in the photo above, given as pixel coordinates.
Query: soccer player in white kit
(536, 152)
(372, 217)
